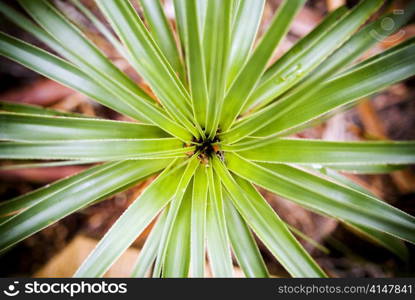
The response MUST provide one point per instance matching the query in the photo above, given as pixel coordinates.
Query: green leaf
(131, 223)
(88, 87)
(50, 204)
(377, 57)
(307, 42)
(339, 178)
(308, 239)
(350, 51)
(59, 70)
(202, 11)
(326, 197)
(67, 74)
(367, 169)
(351, 86)
(218, 244)
(101, 27)
(28, 25)
(96, 150)
(177, 257)
(267, 225)
(243, 243)
(97, 66)
(148, 253)
(217, 37)
(147, 59)
(387, 241)
(180, 18)
(192, 42)
(162, 33)
(24, 127)
(198, 221)
(18, 166)
(247, 18)
(14, 107)
(174, 207)
(17, 204)
(284, 116)
(82, 51)
(303, 151)
(358, 44)
(179, 11)
(295, 53)
(251, 73)
(284, 78)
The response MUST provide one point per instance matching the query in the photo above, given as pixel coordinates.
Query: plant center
(206, 148)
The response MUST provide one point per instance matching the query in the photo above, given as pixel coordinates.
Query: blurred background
(58, 250)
